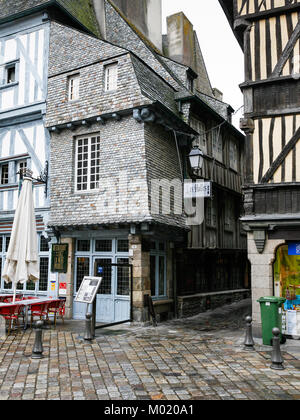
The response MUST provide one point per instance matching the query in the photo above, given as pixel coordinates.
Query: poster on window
(287, 285)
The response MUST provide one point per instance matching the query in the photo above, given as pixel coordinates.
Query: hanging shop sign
(197, 189)
(88, 290)
(59, 258)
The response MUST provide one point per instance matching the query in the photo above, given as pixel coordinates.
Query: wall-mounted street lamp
(196, 159)
(43, 178)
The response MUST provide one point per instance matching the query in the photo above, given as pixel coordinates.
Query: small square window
(4, 174)
(11, 74)
(111, 77)
(73, 87)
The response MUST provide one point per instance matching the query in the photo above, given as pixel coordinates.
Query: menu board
(88, 289)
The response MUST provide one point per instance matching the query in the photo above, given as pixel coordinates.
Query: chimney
(181, 41)
(218, 94)
(145, 15)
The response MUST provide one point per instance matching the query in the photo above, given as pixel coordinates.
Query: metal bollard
(37, 351)
(249, 342)
(277, 360)
(88, 336)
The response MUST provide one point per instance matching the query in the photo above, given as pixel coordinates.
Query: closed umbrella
(22, 262)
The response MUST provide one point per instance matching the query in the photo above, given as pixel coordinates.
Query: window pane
(83, 270)
(44, 247)
(43, 282)
(103, 245)
(11, 74)
(161, 276)
(123, 278)
(105, 288)
(4, 174)
(7, 239)
(123, 245)
(153, 274)
(83, 245)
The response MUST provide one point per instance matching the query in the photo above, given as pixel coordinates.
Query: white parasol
(22, 260)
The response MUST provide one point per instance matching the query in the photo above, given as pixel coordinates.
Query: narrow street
(201, 358)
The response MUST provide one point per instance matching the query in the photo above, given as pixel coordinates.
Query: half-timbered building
(268, 31)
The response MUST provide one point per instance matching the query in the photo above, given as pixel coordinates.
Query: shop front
(287, 285)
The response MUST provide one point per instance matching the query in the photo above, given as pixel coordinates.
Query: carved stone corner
(260, 240)
(247, 125)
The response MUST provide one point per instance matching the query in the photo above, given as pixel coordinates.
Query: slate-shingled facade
(140, 131)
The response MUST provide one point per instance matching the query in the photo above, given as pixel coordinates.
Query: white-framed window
(10, 74)
(30, 286)
(21, 166)
(4, 173)
(73, 87)
(201, 140)
(158, 269)
(217, 144)
(87, 163)
(111, 77)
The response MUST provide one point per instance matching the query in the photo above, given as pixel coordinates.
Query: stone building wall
(125, 163)
(261, 274)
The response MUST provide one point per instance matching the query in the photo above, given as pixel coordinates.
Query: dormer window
(190, 84)
(111, 77)
(73, 87)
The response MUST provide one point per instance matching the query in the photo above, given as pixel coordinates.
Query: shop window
(123, 277)
(103, 245)
(287, 285)
(82, 270)
(123, 245)
(42, 284)
(83, 245)
(158, 270)
(73, 87)
(111, 77)
(87, 163)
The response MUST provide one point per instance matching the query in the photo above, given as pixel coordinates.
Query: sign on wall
(197, 189)
(59, 258)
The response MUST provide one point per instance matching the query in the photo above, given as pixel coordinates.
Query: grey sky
(222, 54)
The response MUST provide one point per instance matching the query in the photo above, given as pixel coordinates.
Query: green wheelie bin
(271, 317)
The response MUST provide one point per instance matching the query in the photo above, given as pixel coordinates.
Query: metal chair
(11, 314)
(40, 310)
(57, 308)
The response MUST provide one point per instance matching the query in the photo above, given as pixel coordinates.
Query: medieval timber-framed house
(119, 114)
(269, 33)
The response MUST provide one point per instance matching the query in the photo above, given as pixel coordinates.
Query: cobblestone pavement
(197, 359)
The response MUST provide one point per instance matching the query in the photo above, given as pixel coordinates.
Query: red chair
(40, 310)
(57, 308)
(11, 313)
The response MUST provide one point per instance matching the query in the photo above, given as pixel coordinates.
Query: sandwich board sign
(88, 290)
